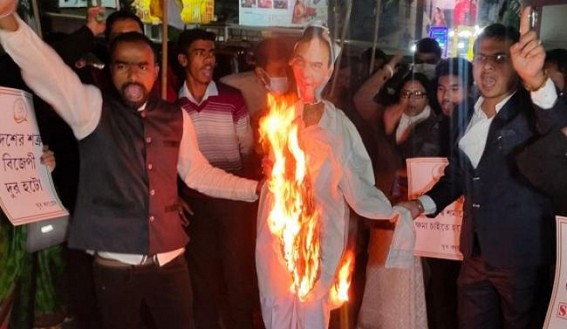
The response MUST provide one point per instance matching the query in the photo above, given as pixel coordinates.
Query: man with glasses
(507, 235)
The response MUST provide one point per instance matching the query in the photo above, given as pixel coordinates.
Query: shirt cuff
(429, 206)
(546, 96)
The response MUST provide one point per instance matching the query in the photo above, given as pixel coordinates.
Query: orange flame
(293, 217)
(339, 291)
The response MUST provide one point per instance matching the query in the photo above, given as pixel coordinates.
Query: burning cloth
(339, 175)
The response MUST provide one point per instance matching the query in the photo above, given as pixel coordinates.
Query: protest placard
(27, 193)
(282, 12)
(435, 237)
(557, 312)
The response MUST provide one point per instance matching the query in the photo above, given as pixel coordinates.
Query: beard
(134, 94)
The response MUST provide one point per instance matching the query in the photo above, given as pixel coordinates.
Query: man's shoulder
(228, 94)
(237, 79)
(226, 89)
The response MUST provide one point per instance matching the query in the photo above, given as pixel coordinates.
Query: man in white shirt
(507, 235)
(133, 146)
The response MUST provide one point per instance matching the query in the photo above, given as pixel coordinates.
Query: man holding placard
(133, 146)
(508, 229)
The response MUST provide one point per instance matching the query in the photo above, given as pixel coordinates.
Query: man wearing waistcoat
(132, 148)
(223, 232)
(507, 234)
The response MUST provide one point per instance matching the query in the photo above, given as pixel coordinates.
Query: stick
(35, 10)
(164, 39)
(375, 41)
(346, 24)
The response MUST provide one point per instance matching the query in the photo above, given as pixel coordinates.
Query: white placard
(84, 3)
(557, 312)
(282, 12)
(27, 193)
(435, 237)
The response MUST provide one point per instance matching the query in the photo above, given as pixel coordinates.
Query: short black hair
(428, 45)
(498, 32)
(271, 49)
(134, 37)
(120, 15)
(559, 57)
(456, 66)
(187, 37)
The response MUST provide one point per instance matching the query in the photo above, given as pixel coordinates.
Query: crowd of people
(166, 230)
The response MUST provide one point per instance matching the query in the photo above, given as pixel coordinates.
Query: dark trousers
(441, 292)
(221, 260)
(81, 290)
(508, 298)
(164, 292)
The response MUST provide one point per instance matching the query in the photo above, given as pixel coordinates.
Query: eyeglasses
(497, 59)
(414, 93)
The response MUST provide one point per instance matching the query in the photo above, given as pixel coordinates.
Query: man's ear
(258, 71)
(157, 71)
(261, 74)
(182, 59)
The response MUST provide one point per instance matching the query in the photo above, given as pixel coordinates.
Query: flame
(293, 217)
(339, 291)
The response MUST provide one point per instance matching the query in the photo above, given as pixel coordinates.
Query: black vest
(127, 199)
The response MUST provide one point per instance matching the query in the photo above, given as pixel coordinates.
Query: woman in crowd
(556, 67)
(408, 128)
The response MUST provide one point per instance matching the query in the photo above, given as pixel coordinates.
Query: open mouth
(488, 82)
(134, 92)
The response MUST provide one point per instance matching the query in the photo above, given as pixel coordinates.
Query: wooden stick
(35, 9)
(375, 41)
(346, 24)
(164, 39)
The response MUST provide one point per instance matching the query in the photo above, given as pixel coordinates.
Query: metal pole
(346, 24)
(375, 41)
(35, 9)
(164, 39)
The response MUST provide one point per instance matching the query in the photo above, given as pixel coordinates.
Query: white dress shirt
(474, 140)
(211, 90)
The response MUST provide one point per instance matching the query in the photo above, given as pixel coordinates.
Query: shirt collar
(211, 90)
(143, 107)
(478, 105)
(419, 117)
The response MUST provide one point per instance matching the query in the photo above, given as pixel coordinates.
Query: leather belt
(107, 262)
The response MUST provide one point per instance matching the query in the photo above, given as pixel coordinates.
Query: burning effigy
(319, 169)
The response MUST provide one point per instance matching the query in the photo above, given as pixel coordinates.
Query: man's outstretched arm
(46, 74)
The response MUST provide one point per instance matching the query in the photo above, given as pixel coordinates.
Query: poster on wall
(435, 237)
(86, 3)
(282, 12)
(441, 35)
(27, 193)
